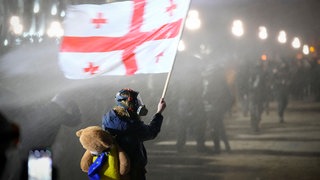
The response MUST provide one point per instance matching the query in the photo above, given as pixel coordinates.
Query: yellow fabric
(110, 170)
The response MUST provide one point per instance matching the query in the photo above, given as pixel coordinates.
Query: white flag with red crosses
(121, 38)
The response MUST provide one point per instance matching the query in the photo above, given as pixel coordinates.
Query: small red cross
(171, 7)
(158, 57)
(98, 21)
(91, 69)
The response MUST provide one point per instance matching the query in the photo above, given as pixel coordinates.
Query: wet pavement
(279, 151)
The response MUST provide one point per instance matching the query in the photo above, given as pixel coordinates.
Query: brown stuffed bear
(97, 141)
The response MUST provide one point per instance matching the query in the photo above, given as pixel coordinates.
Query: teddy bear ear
(78, 133)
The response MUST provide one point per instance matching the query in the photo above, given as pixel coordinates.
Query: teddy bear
(103, 158)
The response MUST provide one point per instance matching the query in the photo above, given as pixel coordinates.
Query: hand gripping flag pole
(170, 72)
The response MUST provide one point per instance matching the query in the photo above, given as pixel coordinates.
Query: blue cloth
(95, 167)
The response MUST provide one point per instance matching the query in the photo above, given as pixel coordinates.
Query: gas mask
(134, 101)
(141, 110)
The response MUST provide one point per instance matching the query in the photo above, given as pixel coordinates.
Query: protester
(124, 122)
(188, 123)
(190, 112)
(9, 137)
(257, 94)
(281, 89)
(218, 100)
(243, 87)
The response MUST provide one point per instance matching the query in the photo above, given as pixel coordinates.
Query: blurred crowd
(249, 86)
(201, 93)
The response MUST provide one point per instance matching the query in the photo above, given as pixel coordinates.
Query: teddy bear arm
(86, 161)
(124, 162)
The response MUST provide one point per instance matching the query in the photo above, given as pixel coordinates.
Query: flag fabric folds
(121, 38)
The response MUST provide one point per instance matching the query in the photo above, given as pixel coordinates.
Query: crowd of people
(250, 86)
(277, 80)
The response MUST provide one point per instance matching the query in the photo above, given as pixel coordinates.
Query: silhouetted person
(219, 100)
(299, 80)
(9, 138)
(190, 119)
(281, 85)
(315, 82)
(257, 94)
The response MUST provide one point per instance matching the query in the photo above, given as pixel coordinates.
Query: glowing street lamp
(263, 34)
(36, 7)
(305, 49)
(55, 30)
(14, 20)
(16, 25)
(54, 10)
(237, 28)
(264, 57)
(312, 49)
(6, 42)
(282, 37)
(296, 43)
(62, 13)
(193, 21)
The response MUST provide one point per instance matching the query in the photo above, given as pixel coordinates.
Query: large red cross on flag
(121, 38)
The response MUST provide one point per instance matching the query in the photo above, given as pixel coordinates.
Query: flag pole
(167, 80)
(170, 72)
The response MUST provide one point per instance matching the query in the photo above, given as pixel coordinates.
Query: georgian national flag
(121, 38)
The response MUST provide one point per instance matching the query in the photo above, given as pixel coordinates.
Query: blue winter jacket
(131, 133)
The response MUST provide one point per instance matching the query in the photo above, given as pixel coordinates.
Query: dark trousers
(282, 101)
(197, 129)
(137, 172)
(218, 131)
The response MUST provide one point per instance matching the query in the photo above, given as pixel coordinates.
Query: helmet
(131, 101)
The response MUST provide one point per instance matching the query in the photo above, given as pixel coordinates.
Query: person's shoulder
(115, 116)
(110, 112)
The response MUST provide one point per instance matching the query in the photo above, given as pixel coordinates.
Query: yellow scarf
(110, 170)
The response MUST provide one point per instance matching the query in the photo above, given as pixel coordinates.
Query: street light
(62, 13)
(237, 28)
(296, 43)
(16, 25)
(55, 30)
(264, 57)
(193, 21)
(263, 34)
(36, 7)
(312, 49)
(282, 37)
(54, 10)
(305, 49)
(6, 42)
